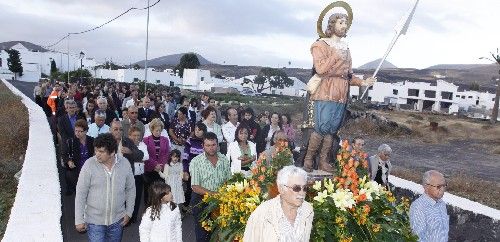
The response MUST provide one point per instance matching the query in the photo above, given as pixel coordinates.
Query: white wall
(128, 75)
(36, 213)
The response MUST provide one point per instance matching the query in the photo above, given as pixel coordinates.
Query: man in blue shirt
(428, 216)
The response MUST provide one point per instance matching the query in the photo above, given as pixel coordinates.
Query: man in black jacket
(102, 104)
(129, 150)
(145, 113)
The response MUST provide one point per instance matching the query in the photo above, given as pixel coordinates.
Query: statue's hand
(369, 81)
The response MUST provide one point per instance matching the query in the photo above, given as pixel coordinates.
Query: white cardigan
(234, 152)
(166, 229)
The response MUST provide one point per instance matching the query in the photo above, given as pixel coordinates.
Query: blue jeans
(105, 233)
(328, 116)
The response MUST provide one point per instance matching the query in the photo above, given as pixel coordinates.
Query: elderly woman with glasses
(379, 166)
(287, 217)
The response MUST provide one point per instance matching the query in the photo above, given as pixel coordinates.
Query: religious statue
(329, 86)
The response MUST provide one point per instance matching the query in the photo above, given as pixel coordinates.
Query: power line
(102, 25)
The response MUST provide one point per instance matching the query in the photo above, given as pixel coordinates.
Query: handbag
(313, 84)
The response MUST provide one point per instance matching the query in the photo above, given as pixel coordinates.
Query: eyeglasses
(439, 187)
(297, 188)
(132, 112)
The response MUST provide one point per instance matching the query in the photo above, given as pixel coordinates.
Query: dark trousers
(189, 191)
(139, 183)
(71, 176)
(149, 178)
(38, 100)
(196, 202)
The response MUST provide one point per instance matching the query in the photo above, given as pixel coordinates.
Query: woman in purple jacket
(158, 149)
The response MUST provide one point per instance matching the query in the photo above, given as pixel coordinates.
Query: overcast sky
(257, 32)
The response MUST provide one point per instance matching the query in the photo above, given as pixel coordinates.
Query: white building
(131, 75)
(438, 96)
(201, 80)
(37, 62)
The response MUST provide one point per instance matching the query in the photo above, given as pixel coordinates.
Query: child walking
(173, 174)
(162, 220)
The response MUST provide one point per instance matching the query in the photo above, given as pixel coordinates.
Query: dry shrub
(413, 122)
(14, 127)
(484, 192)
(496, 150)
(416, 116)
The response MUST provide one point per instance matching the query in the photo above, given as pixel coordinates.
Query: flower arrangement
(350, 208)
(228, 210)
(347, 207)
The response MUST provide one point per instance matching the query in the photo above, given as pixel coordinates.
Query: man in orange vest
(52, 100)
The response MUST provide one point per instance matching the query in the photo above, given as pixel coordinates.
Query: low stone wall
(469, 220)
(36, 213)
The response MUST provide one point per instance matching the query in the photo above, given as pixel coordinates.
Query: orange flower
(365, 164)
(366, 208)
(261, 178)
(254, 171)
(263, 169)
(361, 198)
(252, 182)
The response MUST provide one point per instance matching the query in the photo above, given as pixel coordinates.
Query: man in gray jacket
(105, 192)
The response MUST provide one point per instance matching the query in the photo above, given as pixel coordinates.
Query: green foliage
(188, 61)
(110, 65)
(14, 63)
(270, 78)
(474, 86)
(73, 75)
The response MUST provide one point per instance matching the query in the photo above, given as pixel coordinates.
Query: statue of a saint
(333, 74)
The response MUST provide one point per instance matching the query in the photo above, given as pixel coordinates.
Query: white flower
(321, 196)
(343, 199)
(374, 188)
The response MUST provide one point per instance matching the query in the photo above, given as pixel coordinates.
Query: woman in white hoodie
(162, 220)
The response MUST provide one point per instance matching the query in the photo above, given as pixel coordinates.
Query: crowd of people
(120, 147)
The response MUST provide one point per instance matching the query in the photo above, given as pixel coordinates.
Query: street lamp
(82, 55)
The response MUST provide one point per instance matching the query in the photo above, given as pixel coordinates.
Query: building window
(171, 83)
(477, 102)
(158, 81)
(492, 99)
(457, 96)
(463, 97)
(413, 92)
(470, 97)
(430, 94)
(0, 62)
(447, 95)
(395, 91)
(202, 78)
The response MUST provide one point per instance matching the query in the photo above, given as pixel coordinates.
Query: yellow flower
(317, 186)
(376, 228)
(330, 187)
(387, 212)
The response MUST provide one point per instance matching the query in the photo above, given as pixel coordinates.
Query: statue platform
(317, 175)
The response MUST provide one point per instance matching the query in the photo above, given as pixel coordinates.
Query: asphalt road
(130, 233)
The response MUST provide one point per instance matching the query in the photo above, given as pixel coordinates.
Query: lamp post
(82, 55)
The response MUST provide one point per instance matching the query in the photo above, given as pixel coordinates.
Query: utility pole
(494, 114)
(68, 57)
(146, 62)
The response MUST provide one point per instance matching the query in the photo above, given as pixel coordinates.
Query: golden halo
(342, 4)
